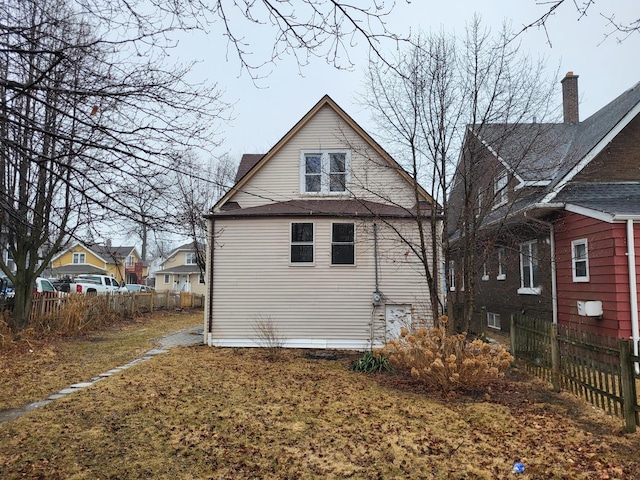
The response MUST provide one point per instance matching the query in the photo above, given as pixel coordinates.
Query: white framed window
(301, 245)
(493, 320)
(190, 258)
(500, 190)
(480, 204)
(452, 275)
(529, 269)
(79, 258)
(343, 245)
(580, 260)
(324, 172)
(166, 279)
(501, 271)
(131, 261)
(485, 272)
(201, 279)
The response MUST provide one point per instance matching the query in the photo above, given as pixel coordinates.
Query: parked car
(42, 285)
(6, 288)
(134, 288)
(94, 284)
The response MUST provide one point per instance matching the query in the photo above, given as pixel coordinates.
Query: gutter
(633, 288)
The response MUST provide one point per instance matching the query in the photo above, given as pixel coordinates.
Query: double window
(580, 260)
(324, 172)
(529, 269)
(79, 258)
(343, 244)
(493, 320)
(131, 261)
(301, 245)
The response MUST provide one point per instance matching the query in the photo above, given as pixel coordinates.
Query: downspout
(633, 288)
(554, 286)
(209, 319)
(376, 293)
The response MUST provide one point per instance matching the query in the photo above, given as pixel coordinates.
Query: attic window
(500, 190)
(79, 258)
(324, 172)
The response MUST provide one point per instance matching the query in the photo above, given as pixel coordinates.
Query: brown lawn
(204, 412)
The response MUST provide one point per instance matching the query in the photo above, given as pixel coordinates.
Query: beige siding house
(314, 240)
(180, 272)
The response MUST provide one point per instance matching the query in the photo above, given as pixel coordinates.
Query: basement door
(397, 316)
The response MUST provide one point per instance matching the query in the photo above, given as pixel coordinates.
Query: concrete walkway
(184, 338)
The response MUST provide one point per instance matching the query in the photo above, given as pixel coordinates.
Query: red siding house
(559, 237)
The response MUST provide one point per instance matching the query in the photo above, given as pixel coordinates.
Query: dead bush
(447, 362)
(268, 335)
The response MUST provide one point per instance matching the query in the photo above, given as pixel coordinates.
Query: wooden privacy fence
(598, 368)
(126, 304)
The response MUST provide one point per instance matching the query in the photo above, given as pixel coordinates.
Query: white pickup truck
(94, 284)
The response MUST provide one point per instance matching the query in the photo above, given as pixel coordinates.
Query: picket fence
(600, 369)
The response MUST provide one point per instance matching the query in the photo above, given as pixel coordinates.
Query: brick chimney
(570, 98)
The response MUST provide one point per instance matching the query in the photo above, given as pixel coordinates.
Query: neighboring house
(179, 272)
(122, 263)
(561, 235)
(307, 244)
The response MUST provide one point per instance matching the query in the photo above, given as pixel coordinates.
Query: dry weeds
(222, 413)
(36, 365)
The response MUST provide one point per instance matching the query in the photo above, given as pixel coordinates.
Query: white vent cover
(592, 308)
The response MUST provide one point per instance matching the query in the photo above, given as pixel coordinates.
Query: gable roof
(551, 155)
(250, 164)
(247, 162)
(105, 253)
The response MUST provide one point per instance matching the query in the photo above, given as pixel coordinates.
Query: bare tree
(193, 195)
(613, 26)
(448, 94)
(91, 104)
(80, 120)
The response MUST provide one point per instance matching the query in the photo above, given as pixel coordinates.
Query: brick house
(558, 232)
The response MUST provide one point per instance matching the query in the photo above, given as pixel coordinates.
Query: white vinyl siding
(280, 178)
(253, 277)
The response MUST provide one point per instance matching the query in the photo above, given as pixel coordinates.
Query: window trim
(81, 256)
(452, 275)
(167, 279)
(485, 274)
(501, 256)
(500, 191)
(312, 243)
(343, 243)
(494, 316)
(533, 289)
(189, 255)
(325, 171)
(575, 260)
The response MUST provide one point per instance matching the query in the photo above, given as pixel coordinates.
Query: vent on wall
(592, 308)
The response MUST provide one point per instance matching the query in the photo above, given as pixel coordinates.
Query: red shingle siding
(608, 274)
(619, 161)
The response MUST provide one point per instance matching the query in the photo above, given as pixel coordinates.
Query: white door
(397, 316)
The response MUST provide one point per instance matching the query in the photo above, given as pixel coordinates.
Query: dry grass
(203, 412)
(37, 365)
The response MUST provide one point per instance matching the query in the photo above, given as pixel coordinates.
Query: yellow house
(121, 263)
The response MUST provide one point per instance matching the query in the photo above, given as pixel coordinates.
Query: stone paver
(184, 338)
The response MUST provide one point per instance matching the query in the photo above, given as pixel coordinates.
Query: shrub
(371, 362)
(447, 362)
(268, 336)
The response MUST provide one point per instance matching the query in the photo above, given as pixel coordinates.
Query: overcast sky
(264, 113)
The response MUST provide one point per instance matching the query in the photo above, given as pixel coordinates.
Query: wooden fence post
(555, 358)
(627, 379)
(512, 334)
